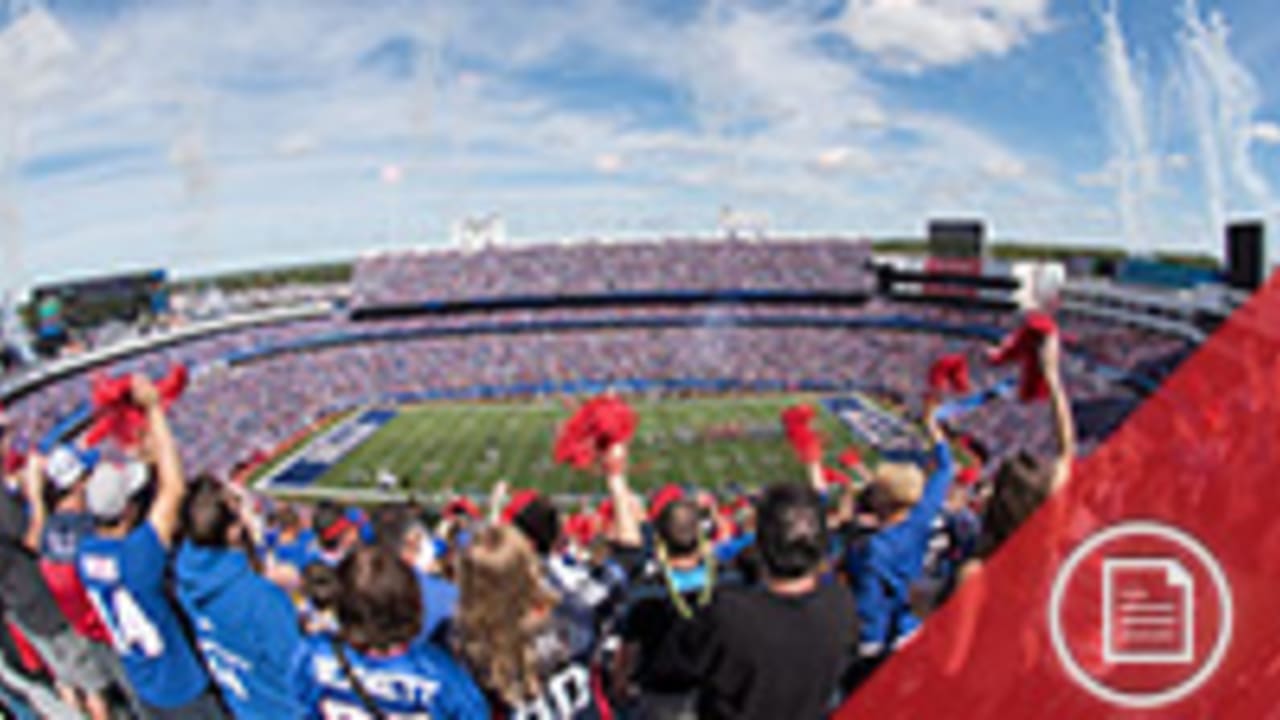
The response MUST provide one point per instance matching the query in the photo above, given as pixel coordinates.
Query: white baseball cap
(111, 486)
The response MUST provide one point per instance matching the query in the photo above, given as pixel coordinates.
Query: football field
(469, 446)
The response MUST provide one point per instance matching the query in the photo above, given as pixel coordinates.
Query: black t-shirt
(650, 621)
(22, 587)
(762, 655)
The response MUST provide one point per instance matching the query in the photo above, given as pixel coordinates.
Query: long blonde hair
(500, 611)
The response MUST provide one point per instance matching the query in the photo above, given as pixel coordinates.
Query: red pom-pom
(835, 477)
(806, 441)
(597, 425)
(172, 385)
(969, 476)
(797, 415)
(850, 457)
(613, 421)
(1023, 346)
(581, 527)
(108, 391)
(572, 450)
(117, 416)
(950, 373)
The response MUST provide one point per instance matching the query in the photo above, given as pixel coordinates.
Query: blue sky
(218, 134)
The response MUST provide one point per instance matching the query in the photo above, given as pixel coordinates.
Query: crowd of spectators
(131, 590)
(255, 387)
(595, 268)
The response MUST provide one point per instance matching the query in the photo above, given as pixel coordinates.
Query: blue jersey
(125, 580)
(63, 533)
(421, 682)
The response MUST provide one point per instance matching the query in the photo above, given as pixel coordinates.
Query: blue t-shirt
(439, 600)
(730, 549)
(883, 566)
(423, 680)
(294, 553)
(125, 580)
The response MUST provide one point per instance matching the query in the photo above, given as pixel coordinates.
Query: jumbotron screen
(956, 238)
(91, 302)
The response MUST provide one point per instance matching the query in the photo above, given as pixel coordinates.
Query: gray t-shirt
(23, 592)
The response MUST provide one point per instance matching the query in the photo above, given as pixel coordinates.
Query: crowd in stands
(254, 387)
(592, 268)
(129, 589)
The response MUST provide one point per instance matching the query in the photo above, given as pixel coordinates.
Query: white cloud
(1005, 168)
(1104, 177)
(839, 158)
(608, 163)
(1265, 132)
(296, 144)
(34, 50)
(913, 35)
(776, 125)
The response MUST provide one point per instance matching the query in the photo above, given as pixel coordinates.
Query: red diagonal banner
(1148, 586)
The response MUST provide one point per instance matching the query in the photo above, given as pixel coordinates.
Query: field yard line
(524, 457)
(468, 455)
(422, 438)
(432, 434)
(405, 446)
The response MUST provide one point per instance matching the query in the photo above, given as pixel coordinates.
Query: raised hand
(144, 392)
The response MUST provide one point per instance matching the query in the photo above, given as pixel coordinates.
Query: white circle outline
(1169, 695)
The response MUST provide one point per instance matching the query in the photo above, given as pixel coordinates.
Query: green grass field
(710, 442)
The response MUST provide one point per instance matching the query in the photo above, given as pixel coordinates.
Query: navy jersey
(571, 689)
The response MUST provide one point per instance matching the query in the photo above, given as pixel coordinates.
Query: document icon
(1148, 609)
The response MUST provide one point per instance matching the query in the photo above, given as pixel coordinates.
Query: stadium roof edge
(533, 242)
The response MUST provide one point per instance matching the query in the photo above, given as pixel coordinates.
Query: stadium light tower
(479, 232)
(743, 224)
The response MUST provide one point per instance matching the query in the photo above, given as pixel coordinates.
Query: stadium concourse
(499, 599)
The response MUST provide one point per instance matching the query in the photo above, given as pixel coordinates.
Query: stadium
(420, 342)
(276, 446)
